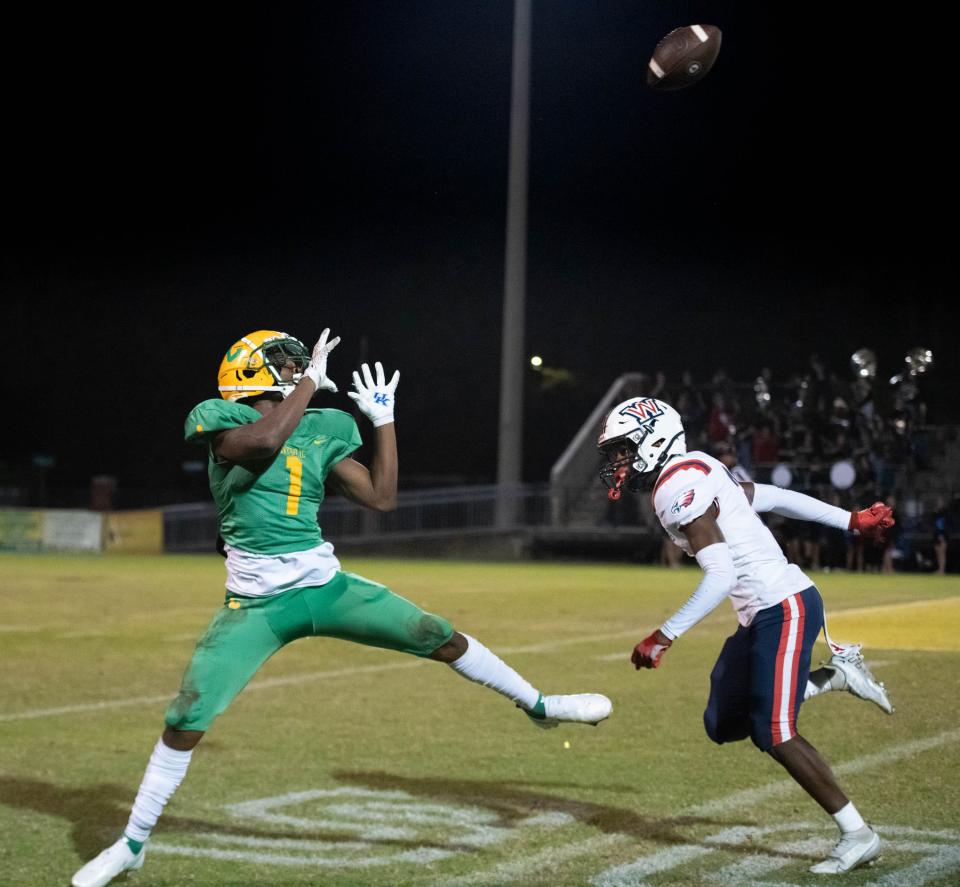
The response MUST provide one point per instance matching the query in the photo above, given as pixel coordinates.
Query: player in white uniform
(762, 674)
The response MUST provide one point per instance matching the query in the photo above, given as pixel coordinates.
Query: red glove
(648, 652)
(872, 521)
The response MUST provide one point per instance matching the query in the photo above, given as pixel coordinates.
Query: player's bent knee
(781, 750)
(724, 731)
(711, 726)
(181, 740)
(452, 650)
(763, 740)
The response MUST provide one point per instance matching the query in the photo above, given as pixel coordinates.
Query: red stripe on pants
(795, 667)
(791, 628)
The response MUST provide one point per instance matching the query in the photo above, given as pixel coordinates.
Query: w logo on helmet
(643, 410)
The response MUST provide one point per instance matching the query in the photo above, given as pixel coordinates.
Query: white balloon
(781, 476)
(842, 474)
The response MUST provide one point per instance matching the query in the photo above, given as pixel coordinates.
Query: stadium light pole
(510, 444)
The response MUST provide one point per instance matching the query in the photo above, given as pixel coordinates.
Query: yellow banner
(21, 529)
(134, 532)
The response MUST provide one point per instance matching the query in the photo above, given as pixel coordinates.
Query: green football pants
(247, 631)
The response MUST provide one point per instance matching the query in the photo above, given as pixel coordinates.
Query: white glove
(316, 370)
(375, 399)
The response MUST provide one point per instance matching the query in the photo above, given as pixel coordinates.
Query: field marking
(926, 626)
(288, 680)
(537, 862)
(880, 609)
(616, 657)
(612, 657)
(749, 871)
(421, 855)
(937, 859)
(661, 860)
(375, 816)
(743, 799)
(116, 629)
(631, 873)
(302, 678)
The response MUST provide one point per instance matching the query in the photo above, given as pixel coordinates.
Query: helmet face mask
(254, 365)
(638, 437)
(618, 470)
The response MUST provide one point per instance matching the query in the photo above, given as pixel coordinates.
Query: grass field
(346, 765)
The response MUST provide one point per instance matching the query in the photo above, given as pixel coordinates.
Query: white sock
(480, 665)
(165, 771)
(849, 819)
(824, 680)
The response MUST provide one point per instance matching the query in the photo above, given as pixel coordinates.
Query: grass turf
(346, 765)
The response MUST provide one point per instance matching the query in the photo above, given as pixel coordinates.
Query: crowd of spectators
(796, 430)
(808, 421)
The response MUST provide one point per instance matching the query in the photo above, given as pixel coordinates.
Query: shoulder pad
(216, 415)
(681, 487)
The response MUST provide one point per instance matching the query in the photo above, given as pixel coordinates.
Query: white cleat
(102, 869)
(578, 708)
(852, 850)
(859, 680)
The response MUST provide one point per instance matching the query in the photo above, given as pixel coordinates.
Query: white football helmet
(648, 431)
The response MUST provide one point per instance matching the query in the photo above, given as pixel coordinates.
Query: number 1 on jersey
(295, 467)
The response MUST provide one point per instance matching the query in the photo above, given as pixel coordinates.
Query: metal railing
(577, 494)
(448, 510)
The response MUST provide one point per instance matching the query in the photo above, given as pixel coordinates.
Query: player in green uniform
(269, 459)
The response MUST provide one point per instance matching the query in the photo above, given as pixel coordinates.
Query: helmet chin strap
(667, 455)
(286, 389)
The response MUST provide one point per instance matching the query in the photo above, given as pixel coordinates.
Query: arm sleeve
(788, 503)
(719, 578)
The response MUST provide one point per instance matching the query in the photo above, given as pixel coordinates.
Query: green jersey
(270, 506)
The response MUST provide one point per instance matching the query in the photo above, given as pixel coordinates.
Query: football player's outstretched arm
(264, 437)
(719, 577)
(375, 487)
(788, 503)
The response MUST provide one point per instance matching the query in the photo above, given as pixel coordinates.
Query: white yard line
(631, 874)
(662, 860)
(546, 647)
(545, 860)
(83, 707)
(893, 608)
(419, 855)
(743, 800)
(303, 678)
(265, 684)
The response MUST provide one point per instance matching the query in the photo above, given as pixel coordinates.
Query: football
(683, 57)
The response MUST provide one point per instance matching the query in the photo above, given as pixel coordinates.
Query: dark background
(177, 176)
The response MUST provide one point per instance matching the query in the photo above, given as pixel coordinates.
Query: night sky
(178, 176)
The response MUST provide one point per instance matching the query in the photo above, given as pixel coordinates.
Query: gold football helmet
(253, 363)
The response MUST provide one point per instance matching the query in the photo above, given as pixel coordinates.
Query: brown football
(683, 57)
